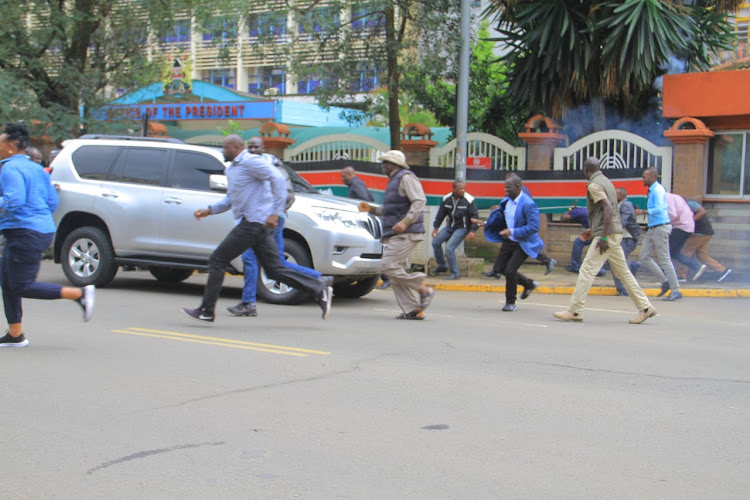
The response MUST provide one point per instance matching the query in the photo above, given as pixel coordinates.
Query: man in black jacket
(459, 208)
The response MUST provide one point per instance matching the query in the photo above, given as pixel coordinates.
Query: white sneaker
(700, 272)
(87, 301)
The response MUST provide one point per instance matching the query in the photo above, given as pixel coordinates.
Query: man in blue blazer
(515, 224)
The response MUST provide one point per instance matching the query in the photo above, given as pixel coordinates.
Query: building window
(224, 77)
(367, 80)
(307, 86)
(729, 165)
(220, 29)
(316, 20)
(180, 32)
(366, 21)
(267, 24)
(268, 81)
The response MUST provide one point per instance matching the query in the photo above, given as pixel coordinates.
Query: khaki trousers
(697, 246)
(393, 265)
(594, 261)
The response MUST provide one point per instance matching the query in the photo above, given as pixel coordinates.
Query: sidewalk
(559, 281)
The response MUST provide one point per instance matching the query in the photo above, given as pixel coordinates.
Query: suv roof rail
(132, 138)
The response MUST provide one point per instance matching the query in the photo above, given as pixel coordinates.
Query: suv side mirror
(217, 182)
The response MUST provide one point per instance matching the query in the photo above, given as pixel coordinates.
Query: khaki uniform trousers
(393, 265)
(594, 261)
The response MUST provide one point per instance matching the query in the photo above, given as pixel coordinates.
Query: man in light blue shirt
(259, 209)
(656, 240)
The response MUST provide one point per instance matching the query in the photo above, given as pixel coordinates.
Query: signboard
(246, 110)
(479, 162)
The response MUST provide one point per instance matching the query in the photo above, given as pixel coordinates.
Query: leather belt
(659, 225)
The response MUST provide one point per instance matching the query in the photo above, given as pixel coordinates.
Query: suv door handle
(110, 194)
(172, 200)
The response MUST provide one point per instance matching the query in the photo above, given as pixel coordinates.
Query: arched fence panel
(616, 149)
(501, 155)
(337, 147)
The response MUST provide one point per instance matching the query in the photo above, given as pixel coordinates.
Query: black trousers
(509, 260)
(258, 237)
(677, 239)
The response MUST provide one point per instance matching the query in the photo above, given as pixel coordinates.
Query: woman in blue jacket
(27, 200)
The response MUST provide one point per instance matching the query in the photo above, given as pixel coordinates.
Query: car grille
(373, 226)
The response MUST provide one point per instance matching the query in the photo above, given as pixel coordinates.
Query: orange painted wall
(723, 96)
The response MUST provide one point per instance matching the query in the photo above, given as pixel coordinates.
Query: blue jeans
(454, 237)
(20, 263)
(576, 256)
(250, 263)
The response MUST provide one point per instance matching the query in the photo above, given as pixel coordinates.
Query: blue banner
(244, 110)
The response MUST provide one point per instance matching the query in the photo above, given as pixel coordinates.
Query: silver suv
(130, 202)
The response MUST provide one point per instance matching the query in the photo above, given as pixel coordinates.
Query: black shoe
(527, 291)
(550, 266)
(492, 274)
(509, 307)
(571, 269)
(622, 293)
(199, 314)
(87, 301)
(453, 276)
(601, 273)
(664, 289)
(243, 309)
(325, 300)
(676, 294)
(8, 341)
(438, 269)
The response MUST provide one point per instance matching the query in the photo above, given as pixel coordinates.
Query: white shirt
(510, 214)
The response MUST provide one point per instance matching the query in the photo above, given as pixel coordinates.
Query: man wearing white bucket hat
(403, 229)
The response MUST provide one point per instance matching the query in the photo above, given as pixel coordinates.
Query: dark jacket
(358, 190)
(459, 213)
(628, 220)
(396, 207)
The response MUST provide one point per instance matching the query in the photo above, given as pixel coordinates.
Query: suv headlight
(335, 217)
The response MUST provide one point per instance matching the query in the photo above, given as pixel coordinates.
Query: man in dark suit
(516, 225)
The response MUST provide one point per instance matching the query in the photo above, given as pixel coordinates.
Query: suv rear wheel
(88, 258)
(355, 289)
(276, 292)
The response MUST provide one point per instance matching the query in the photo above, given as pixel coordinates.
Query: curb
(595, 290)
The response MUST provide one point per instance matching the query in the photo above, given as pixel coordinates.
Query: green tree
(606, 54)
(59, 57)
(354, 47)
(490, 108)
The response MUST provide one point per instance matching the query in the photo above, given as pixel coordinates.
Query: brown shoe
(642, 316)
(569, 316)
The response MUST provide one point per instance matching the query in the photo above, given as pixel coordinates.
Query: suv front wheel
(276, 292)
(87, 257)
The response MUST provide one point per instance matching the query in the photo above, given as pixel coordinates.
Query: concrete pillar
(542, 136)
(417, 151)
(690, 137)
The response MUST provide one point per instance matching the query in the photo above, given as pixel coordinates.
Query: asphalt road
(143, 402)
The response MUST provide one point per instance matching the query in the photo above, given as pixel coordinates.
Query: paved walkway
(559, 281)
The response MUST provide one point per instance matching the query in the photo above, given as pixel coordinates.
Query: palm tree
(567, 53)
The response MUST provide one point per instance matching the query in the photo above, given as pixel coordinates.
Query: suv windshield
(299, 184)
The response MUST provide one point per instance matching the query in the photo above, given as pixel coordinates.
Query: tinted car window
(191, 170)
(93, 162)
(140, 166)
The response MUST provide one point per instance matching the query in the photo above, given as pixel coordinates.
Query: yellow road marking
(238, 344)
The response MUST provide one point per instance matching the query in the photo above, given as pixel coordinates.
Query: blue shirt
(510, 213)
(28, 196)
(247, 192)
(657, 205)
(580, 215)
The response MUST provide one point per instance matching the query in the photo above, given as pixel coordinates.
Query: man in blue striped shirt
(259, 209)
(656, 240)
